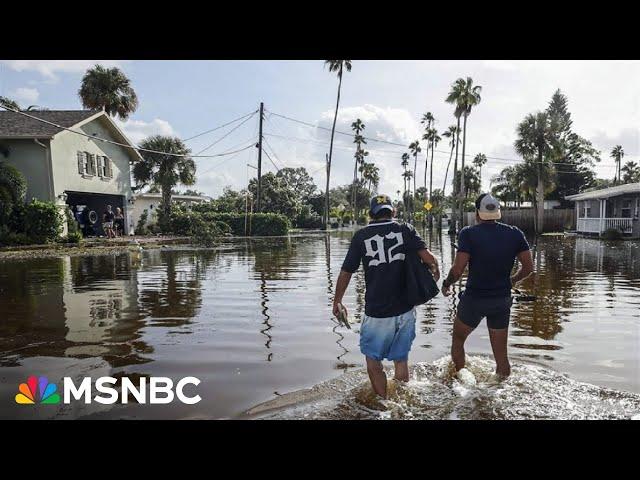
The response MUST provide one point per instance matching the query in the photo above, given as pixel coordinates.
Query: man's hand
(336, 309)
(446, 289)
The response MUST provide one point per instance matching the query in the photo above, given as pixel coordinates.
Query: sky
(185, 98)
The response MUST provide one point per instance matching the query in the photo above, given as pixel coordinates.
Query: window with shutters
(99, 163)
(84, 164)
(108, 167)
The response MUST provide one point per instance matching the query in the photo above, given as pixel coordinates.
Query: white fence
(599, 225)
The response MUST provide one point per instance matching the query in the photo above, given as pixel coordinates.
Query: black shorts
(471, 310)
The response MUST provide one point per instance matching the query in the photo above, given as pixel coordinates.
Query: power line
(138, 149)
(389, 142)
(221, 126)
(226, 134)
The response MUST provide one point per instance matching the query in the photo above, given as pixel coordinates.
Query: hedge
(262, 224)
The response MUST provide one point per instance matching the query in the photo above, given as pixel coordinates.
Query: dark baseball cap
(380, 202)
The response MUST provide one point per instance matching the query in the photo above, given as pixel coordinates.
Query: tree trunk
(353, 189)
(415, 171)
(453, 226)
(444, 186)
(333, 131)
(463, 193)
(540, 197)
(166, 206)
(431, 186)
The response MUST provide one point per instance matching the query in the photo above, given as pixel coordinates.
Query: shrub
(72, 224)
(9, 238)
(73, 237)
(42, 221)
(141, 227)
(346, 218)
(307, 218)
(13, 187)
(612, 234)
(362, 220)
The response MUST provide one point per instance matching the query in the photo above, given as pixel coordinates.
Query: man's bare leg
(499, 339)
(401, 370)
(377, 376)
(460, 334)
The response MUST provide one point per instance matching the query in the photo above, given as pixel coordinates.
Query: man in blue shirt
(388, 327)
(490, 249)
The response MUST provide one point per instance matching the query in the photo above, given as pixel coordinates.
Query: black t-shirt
(381, 247)
(108, 216)
(493, 248)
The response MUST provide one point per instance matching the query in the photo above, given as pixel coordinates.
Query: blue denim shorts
(389, 338)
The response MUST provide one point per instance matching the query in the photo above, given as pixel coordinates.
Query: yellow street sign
(428, 206)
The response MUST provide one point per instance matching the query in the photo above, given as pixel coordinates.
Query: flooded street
(252, 320)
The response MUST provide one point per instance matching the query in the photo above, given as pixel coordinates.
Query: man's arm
(457, 269)
(341, 286)
(428, 259)
(526, 267)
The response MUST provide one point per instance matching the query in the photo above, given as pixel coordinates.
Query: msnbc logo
(28, 391)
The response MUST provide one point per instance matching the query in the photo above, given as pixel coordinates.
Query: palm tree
(357, 127)
(617, 153)
(536, 141)
(414, 147)
(108, 89)
(9, 104)
(435, 139)
(165, 170)
(465, 96)
(478, 161)
(405, 164)
(452, 134)
(370, 175)
(631, 172)
(337, 66)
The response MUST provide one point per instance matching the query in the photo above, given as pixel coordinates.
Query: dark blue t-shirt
(381, 247)
(493, 247)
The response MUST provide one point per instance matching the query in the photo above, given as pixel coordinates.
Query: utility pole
(259, 204)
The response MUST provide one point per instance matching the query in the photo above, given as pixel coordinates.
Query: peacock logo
(37, 390)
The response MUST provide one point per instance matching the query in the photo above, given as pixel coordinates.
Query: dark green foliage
(42, 221)
(73, 237)
(13, 188)
(141, 227)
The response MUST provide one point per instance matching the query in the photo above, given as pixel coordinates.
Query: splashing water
(436, 392)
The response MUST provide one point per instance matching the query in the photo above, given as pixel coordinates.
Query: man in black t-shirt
(388, 327)
(490, 248)
(107, 219)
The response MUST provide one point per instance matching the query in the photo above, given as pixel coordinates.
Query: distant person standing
(118, 222)
(490, 249)
(107, 224)
(389, 324)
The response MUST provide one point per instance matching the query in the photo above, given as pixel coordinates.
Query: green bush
(10, 238)
(72, 224)
(13, 188)
(307, 218)
(141, 227)
(73, 237)
(346, 218)
(612, 234)
(362, 220)
(42, 221)
(263, 224)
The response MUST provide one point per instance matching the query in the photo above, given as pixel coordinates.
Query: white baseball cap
(488, 207)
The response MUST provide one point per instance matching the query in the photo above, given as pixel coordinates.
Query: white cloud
(138, 130)
(49, 68)
(25, 96)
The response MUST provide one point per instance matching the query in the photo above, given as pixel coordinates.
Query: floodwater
(252, 320)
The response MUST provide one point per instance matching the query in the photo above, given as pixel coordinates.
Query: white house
(614, 207)
(151, 201)
(68, 168)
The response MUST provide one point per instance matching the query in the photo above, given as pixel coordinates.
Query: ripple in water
(435, 393)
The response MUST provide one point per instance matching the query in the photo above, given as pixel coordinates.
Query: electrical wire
(225, 135)
(132, 147)
(221, 126)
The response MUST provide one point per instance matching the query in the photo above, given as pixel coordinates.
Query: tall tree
(465, 95)
(452, 134)
(574, 157)
(415, 149)
(165, 170)
(536, 143)
(617, 154)
(337, 66)
(631, 172)
(358, 127)
(8, 103)
(405, 164)
(479, 161)
(108, 89)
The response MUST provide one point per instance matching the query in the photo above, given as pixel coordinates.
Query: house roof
(606, 192)
(14, 125)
